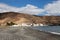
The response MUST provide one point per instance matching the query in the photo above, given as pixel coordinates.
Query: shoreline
(26, 33)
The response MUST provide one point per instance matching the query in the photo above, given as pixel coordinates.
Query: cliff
(26, 18)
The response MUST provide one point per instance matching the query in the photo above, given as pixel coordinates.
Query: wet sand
(26, 33)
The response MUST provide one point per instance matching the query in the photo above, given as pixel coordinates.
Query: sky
(20, 3)
(33, 7)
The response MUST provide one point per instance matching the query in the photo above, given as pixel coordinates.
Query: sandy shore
(25, 34)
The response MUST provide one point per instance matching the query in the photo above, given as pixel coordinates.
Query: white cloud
(29, 9)
(50, 9)
(53, 8)
(32, 9)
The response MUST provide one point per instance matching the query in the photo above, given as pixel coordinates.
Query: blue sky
(33, 7)
(20, 3)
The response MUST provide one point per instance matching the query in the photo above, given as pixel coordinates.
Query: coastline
(26, 33)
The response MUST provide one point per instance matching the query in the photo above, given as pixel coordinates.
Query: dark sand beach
(26, 34)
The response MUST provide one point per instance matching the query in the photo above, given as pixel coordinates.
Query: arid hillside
(18, 18)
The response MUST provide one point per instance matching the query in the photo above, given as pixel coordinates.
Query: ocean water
(48, 28)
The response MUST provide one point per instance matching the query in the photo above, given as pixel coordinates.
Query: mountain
(19, 18)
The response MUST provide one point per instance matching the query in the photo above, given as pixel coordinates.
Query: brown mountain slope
(17, 18)
(26, 18)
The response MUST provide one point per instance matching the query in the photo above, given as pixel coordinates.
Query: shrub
(11, 23)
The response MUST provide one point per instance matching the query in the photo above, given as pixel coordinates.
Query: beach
(26, 33)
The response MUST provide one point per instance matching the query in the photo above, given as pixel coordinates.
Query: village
(28, 25)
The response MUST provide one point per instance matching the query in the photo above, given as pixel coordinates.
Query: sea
(51, 29)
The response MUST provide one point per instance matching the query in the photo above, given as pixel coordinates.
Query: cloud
(29, 9)
(7, 8)
(53, 8)
(49, 9)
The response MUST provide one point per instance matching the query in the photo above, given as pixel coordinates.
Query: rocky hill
(18, 18)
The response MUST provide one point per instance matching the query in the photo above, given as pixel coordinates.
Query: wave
(55, 33)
